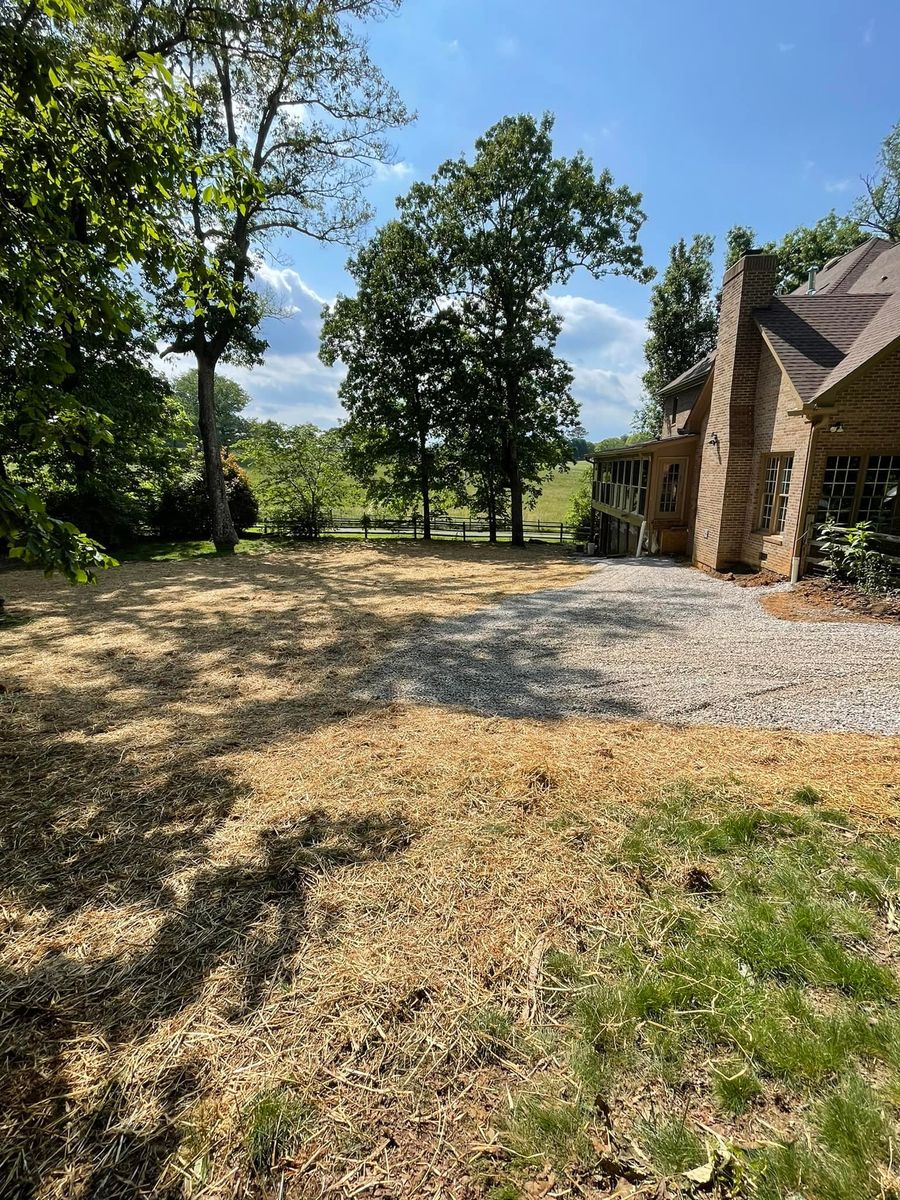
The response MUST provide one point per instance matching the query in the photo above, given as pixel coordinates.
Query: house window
(668, 492)
(839, 489)
(776, 487)
(878, 497)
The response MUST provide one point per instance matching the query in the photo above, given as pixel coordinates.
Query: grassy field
(555, 496)
(264, 938)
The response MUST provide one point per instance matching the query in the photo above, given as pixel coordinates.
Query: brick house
(794, 418)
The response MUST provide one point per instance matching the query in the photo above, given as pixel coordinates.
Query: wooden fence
(464, 529)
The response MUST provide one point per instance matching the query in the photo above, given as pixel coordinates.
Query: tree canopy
(401, 350)
(92, 150)
(231, 400)
(682, 324)
(294, 114)
(507, 227)
(801, 248)
(879, 209)
(301, 473)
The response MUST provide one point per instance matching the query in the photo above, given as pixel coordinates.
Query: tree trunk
(222, 528)
(492, 507)
(425, 480)
(514, 478)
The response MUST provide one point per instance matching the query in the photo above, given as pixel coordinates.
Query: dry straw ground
(221, 877)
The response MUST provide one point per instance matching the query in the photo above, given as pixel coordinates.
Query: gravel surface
(658, 641)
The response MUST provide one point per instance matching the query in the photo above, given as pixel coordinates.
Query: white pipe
(641, 539)
(795, 568)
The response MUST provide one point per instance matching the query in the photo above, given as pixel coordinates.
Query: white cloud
(385, 172)
(453, 47)
(785, 47)
(508, 46)
(287, 280)
(292, 387)
(597, 328)
(605, 348)
(838, 185)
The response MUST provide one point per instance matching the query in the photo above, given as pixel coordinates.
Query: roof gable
(813, 335)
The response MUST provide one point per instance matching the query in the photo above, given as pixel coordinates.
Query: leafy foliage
(402, 351)
(851, 555)
(879, 209)
(682, 325)
(230, 400)
(91, 149)
(294, 115)
(301, 473)
(183, 511)
(800, 248)
(506, 227)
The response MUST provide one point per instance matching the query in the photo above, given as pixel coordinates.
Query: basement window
(776, 487)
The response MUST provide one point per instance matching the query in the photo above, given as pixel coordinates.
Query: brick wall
(868, 407)
(727, 473)
(775, 432)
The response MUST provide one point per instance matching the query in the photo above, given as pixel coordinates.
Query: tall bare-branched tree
(294, 116)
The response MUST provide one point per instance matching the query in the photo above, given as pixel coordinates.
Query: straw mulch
(222, 877)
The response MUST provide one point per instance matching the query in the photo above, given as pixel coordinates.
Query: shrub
(850, 555)
(183, 510)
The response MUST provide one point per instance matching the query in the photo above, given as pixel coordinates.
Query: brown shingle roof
(879, 333)
(695, 374)
(813, 335)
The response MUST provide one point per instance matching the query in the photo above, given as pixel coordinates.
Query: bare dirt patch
(227, 886)
(821, 600)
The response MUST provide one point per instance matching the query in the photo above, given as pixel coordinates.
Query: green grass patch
(275, 1124)
(175, 551)
(753, 977)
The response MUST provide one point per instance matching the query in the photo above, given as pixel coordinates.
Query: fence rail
(464, 529)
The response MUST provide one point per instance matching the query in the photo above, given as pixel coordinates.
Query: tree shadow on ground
(244, 920)
(124, 710)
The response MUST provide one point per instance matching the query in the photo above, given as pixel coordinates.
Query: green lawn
(555, 495)
(735, 1027)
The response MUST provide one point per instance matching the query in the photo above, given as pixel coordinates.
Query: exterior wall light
(836, 427)
(714, 440)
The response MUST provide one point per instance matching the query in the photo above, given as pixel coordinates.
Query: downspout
(803, 522)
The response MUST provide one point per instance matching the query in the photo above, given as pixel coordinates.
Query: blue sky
(764, 114)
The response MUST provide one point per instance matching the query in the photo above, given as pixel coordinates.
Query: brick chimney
(727, 473)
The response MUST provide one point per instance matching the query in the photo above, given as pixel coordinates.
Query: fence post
(464, 528)
(415, 535)
(560, 532)
(365, 525)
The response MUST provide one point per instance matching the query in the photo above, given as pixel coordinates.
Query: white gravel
(654, 640)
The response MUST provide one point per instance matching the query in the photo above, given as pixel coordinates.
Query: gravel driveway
(654, 640)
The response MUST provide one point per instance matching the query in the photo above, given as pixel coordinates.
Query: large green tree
(682, 324)
(301, 473)
(401, 350)
(230, 401)
(509, 225)
(294, 113)
(109, 489)
(879, 209)
(92, 148)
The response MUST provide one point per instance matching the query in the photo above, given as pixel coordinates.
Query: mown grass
(741, 1023)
